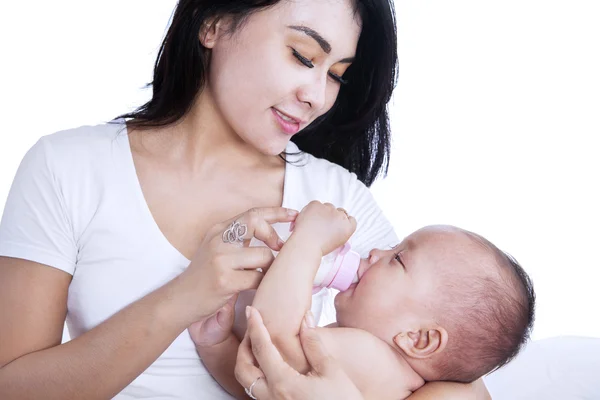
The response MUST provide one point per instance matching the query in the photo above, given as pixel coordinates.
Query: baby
(445, 304)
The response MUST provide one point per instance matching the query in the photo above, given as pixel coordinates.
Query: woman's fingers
(277, 379)
(245, 369)
(315, 351)
(250, 258)
(245, 267)
(264, 351)
(261, 390)
(265, 232)
(246, 280)
(272, 215)
(256, 223)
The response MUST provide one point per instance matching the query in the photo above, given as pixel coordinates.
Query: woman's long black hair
(355, 133)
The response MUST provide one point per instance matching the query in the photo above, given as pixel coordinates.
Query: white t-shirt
(76, 205)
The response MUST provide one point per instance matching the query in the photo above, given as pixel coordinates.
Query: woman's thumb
(216, 328)
(314, 349)
(226, 314)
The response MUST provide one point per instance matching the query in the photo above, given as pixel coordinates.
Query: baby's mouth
(363, 267)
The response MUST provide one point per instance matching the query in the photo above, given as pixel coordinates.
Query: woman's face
(281, 69)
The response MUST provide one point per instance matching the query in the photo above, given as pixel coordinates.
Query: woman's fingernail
(292, 225)
(310, 319)
(247, 311)
(304, 326)
(219, 317)
(292, 213)
(279, 242)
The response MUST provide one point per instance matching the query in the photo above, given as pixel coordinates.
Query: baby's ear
(422, 343)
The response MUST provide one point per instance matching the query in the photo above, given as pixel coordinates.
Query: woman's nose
(314, 93)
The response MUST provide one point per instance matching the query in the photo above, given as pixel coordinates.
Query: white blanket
(561, 368)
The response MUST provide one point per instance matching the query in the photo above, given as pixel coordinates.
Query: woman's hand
(215, 329)
(277, 380)
(224, 265)
(325, 225)
(452, 391)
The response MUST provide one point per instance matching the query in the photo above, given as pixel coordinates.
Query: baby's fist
(330, 227)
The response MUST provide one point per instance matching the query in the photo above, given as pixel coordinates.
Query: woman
(127, 214)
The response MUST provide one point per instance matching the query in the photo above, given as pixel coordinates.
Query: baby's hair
(489, 317)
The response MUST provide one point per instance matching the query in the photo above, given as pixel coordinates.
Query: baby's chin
(342, 305)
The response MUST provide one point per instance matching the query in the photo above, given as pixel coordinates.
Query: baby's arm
(283, 297)
(284, 294)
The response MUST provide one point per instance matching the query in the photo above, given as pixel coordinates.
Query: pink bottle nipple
(347, 263)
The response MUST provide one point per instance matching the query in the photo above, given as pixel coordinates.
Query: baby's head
(454, 305)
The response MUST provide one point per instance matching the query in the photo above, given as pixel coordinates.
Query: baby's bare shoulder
(376, 369)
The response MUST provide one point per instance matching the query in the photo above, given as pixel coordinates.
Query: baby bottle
(338, 269)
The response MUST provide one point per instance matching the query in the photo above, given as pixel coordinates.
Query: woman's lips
(288, 125)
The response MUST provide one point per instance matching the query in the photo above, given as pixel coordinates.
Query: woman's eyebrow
(320, 40)
(313, 34)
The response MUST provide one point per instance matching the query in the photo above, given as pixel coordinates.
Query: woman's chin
(273, 147)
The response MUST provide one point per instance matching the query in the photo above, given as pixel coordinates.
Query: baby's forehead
(439, 238)
(455, 249)
(437, 230)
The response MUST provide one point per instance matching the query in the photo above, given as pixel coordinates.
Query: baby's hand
(325, 225)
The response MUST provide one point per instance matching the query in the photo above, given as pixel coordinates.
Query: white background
(495, 118)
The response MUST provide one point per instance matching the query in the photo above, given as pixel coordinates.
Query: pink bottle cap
(347, 263)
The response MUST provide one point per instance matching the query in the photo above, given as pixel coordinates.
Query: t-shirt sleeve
(35, 223)
(373, 230)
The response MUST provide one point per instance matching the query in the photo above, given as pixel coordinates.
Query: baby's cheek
(367, 309)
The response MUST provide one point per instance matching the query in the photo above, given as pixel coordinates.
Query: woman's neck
(202, 140)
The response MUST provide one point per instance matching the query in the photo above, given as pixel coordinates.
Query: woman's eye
(338, 78)
(305, 61)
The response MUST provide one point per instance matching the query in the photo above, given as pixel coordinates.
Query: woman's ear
(209, 32)
(422, 343)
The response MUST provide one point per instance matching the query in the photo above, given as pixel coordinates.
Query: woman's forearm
(103, 361)
(452, 391)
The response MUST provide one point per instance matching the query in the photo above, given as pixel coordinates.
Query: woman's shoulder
(76, 154)
(87, 139)
(78, 160)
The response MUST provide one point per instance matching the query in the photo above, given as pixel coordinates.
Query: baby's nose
(375, 255)
(366, 263)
